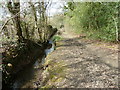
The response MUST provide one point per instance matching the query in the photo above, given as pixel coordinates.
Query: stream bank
(17, 56)
(31, 77)
(20, 73)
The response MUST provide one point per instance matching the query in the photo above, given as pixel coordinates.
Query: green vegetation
(97, 20)
(57, 38)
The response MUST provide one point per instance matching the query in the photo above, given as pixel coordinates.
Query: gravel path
(90, 64)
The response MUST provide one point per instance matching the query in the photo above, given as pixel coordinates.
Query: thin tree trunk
(116, 27)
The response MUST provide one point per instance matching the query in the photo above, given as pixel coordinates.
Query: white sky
(56, 7)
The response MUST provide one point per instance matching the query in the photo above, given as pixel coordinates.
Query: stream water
(27, 76)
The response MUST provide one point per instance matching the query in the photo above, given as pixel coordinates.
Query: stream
(30, 74)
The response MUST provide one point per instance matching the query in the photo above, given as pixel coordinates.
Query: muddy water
(28, 77)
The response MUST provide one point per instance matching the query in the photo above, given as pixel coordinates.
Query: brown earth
(89, 63)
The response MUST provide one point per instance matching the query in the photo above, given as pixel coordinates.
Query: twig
(11, 18)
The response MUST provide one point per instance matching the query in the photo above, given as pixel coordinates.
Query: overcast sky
(55, 8)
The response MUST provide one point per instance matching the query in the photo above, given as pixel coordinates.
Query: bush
(98, 20)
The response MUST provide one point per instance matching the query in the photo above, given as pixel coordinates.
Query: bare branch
(12, 18)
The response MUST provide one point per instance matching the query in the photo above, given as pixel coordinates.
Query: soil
(89, 63)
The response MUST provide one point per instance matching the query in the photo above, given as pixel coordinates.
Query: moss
(45, 87)
(54, 73)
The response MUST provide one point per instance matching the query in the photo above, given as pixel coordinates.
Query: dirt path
(89, 64)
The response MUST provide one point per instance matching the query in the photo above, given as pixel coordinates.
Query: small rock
(9, 64)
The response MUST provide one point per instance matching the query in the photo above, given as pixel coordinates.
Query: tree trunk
(15, 10)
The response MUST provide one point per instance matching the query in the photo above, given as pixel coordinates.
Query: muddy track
(89, 64)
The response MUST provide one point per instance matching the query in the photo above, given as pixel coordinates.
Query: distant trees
(97, 19)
